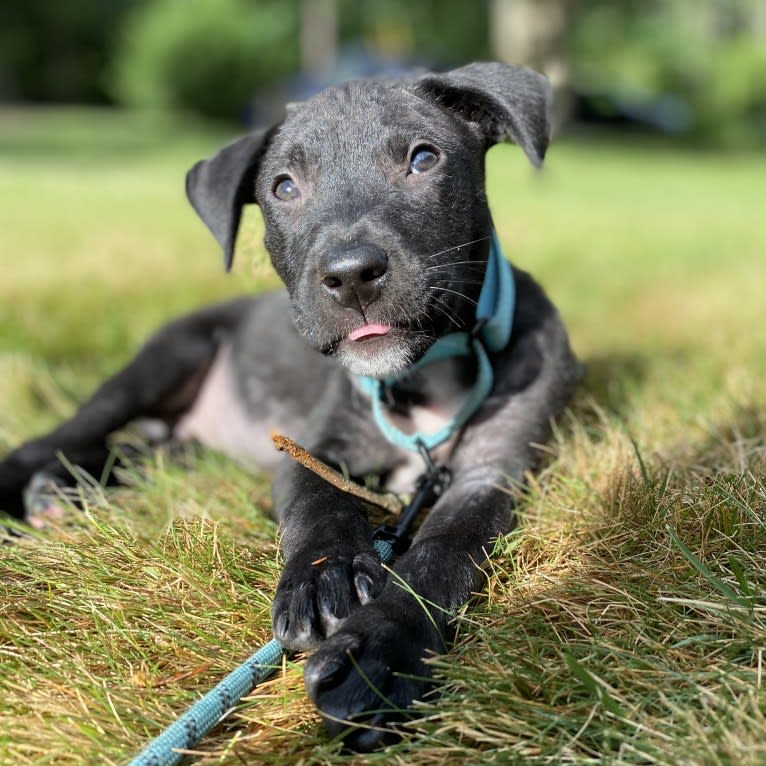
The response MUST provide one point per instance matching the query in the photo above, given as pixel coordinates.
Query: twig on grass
(387, 501)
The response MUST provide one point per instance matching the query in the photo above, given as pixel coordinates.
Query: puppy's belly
(219, 420)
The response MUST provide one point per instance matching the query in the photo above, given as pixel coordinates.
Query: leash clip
(429, 486)
(437, 477)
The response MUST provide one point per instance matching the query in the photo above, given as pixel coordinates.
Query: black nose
(353, 274)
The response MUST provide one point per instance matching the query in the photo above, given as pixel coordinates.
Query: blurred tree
(693, 68)
(204, 55)
(211, 56)
(440, 32)
(56, 51)
(319, 35)
(533, 33)
(696, 68)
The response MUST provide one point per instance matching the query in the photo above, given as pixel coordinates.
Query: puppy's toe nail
(281, 625)
(333, 600)
(371, 736)
(364, 588)
(320, 673)
(39, 500)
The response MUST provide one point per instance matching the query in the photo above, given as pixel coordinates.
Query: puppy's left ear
(503, 101)
(218, 188)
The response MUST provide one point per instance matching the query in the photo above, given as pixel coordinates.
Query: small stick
(388, 501)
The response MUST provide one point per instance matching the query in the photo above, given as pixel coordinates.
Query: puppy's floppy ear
(504, 101)
(219, 187)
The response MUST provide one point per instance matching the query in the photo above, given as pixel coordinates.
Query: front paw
(318, 590)
(42, 500)
(365, 677)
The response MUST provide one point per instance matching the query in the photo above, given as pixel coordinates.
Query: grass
(623, 622)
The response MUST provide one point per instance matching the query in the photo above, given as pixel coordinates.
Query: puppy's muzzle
(353, 275)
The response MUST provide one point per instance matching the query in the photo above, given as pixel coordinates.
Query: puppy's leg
(372, 668)
(330, 564)
(161, 381)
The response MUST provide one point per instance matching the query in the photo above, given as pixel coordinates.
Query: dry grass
(623, 622)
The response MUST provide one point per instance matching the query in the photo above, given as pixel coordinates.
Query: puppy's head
(374, 206)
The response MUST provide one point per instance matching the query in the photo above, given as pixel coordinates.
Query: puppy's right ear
(503, 102)
(219, 187)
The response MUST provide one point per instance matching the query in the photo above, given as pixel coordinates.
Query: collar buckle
(478, 329)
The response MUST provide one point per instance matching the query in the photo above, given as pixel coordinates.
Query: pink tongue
(368, 331)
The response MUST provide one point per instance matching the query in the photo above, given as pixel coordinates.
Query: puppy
(403, 333)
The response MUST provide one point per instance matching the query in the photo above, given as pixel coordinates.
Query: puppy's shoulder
(539, 339)
(533, 306)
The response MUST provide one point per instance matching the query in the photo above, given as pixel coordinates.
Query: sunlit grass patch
(631, 631)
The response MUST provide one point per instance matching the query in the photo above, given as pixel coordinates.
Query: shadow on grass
(610, 380)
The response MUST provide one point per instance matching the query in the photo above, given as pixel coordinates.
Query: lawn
(623, 622)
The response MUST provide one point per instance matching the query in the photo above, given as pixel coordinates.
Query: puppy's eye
(286, 189)
(423, 158)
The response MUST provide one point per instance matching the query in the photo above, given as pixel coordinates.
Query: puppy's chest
(440, 393)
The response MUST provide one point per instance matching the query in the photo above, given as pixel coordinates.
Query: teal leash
(168, 748)
(200, 718)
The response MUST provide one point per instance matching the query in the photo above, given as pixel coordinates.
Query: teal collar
(492, 332)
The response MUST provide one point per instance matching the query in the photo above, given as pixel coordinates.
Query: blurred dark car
(353, 62)
(664, 113)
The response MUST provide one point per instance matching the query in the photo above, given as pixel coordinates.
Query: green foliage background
(211, 56)
(706, 53)
(205, 56)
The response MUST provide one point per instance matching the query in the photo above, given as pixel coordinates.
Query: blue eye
(423, 158)
(286, 189)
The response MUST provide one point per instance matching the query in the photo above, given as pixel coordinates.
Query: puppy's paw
(365, 677)
(318, 590)
(42, 500)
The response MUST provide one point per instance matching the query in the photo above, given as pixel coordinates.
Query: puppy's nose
(353, 274)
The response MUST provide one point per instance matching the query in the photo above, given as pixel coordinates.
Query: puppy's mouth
(369, 331)
(378, 349)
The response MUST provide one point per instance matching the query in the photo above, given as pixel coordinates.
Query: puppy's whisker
(449, 316)
(460, 295)
(457, 247)
(453, 264)
(476, 262)
(448, 281)
(436, 296)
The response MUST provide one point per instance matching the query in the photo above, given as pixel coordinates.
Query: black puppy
(377, 222)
